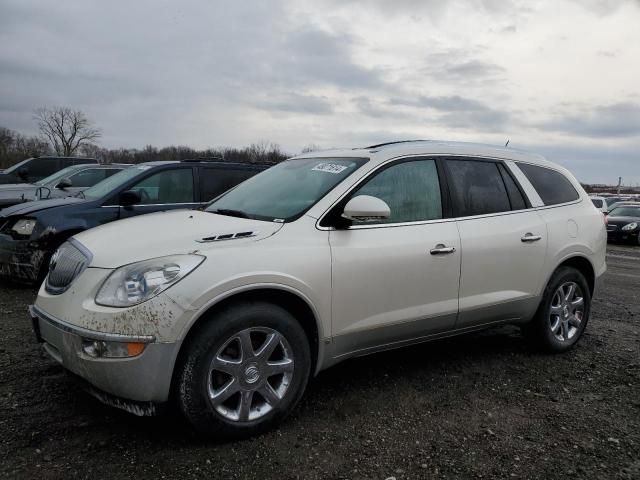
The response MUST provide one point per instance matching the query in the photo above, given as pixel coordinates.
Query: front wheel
(243, 371)
(563, 312)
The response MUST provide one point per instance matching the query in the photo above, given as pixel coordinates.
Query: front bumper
(620, 236)
(19, 260)
(144, 379)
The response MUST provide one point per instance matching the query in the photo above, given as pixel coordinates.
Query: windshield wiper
(80, 194)
(230, 212)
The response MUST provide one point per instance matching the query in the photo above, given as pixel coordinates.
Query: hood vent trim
(227, 236)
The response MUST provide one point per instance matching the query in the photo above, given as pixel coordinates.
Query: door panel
(500, 273)
(387, 276)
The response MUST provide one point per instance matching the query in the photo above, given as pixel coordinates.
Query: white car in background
(600, 203)
(320, 258)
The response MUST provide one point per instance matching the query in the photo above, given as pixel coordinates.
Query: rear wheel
(563, 313)
(243, 371)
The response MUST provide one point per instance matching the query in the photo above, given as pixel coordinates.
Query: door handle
(440, 249)
(530, 237)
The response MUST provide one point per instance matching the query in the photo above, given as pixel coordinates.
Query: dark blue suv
(31, 232)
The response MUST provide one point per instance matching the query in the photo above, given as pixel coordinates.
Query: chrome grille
(66, 264)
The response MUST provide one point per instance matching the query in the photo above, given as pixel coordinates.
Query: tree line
(67, 132)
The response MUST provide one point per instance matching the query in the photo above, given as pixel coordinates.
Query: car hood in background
(622, 220)
(30, 207)
(169, 233)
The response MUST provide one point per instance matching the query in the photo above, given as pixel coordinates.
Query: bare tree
(66, 130)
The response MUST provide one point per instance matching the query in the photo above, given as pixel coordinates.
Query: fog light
(104, 349)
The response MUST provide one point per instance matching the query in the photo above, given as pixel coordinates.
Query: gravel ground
(479, 406)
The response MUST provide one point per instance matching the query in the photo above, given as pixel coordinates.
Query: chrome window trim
(425, 156)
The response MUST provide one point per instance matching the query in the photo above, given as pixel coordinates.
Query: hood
(169, 233)
(17, 190)
(30, 207)
(622, 220)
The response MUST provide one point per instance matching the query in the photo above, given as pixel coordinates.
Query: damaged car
(230, 310)
(31, 232)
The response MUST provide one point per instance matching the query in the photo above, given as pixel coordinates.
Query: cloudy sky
(560, 77)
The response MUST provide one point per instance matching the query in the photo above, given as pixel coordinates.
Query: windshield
(108, 185)
(16, 166)
(597, 202)
(55, 177)
(625, 212)
(287, 190)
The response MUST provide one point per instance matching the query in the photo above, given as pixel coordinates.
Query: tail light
(605, 217)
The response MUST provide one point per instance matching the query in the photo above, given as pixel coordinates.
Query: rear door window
(477, 188)
(515, 195)
(214, 181)
(552, 186)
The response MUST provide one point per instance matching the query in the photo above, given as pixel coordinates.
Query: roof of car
(201, 162)
(408, 147)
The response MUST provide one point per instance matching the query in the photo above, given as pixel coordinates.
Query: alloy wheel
(567, 311)
(250, 374)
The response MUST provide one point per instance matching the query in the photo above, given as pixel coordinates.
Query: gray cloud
(607, 121)
(459, 112)
(295, 103)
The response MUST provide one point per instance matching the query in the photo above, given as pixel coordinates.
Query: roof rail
(393, 143)
(203, 159)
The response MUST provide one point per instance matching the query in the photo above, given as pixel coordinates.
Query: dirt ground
(479, 406)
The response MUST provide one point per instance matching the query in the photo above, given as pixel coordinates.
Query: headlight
(24, 226)
(630, 226)
(138, 282)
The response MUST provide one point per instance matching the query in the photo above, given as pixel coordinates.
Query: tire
(228, 365)
(561, 318)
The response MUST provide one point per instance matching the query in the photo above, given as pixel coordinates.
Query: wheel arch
(584, 266)
(291, 300)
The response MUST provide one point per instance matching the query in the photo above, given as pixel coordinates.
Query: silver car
(64, 183)
(330, 255)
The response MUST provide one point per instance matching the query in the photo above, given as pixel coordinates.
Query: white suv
(323, 257)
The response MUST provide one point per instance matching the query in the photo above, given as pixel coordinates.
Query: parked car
(600, 203)
(624, 224)
(622, 203)
(323, 257)
(34, 169)
(68, 181)
(31, 232)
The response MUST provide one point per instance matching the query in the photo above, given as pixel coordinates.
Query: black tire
(220, 330)
(540, 329)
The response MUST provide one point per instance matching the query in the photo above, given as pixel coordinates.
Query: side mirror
(64, 183)
(130, 197)
(365, 208)
(23, 173)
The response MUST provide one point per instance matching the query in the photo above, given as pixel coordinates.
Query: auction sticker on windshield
(329, 168)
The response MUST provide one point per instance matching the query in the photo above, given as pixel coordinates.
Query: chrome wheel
(567, 311)
(250, 374)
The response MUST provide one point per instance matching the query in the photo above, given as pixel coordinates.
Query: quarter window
(552, 186)
(411, 189)
(477, 188)
(168, 186)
